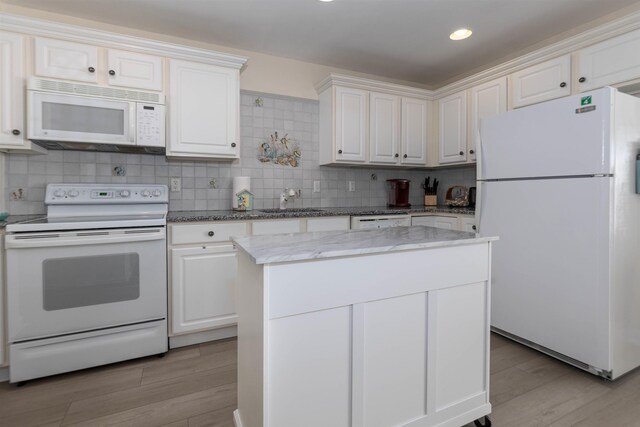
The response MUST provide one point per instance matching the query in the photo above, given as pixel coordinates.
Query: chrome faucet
(287, 194)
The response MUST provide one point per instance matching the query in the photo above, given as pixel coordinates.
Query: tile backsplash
(296, 117)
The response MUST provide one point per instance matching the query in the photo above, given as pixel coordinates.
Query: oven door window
(90, 280)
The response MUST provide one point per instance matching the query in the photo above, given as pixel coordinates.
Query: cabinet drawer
(276, 227)
(328, 224)
(201, 233)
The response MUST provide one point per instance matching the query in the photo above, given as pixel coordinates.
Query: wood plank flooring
(196, 386)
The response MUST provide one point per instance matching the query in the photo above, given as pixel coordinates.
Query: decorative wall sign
(281, 151)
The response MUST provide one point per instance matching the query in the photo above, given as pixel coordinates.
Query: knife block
(431, 200)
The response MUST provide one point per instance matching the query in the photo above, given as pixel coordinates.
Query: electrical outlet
(316, 186)
(352, 186)
(175, 184)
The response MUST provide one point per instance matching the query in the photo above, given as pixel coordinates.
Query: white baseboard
(236, 418)
(200, 337)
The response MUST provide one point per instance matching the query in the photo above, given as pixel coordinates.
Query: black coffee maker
(398, 193)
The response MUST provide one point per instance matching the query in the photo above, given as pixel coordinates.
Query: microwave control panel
(150, 124)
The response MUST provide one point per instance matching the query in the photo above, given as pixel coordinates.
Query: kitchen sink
(290, 210)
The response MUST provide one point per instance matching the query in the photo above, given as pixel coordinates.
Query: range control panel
(93, 194)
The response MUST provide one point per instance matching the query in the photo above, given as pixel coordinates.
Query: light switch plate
(316, 186)
(352, 186)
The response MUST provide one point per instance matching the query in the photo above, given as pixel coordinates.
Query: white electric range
(87, 285)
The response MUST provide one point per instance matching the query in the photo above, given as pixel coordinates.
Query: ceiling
(398, 39)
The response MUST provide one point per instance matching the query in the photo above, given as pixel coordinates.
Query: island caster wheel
(487, 422)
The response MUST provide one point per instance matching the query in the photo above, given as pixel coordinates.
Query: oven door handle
(81, 238)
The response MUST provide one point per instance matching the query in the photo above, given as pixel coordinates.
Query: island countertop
(330, 244)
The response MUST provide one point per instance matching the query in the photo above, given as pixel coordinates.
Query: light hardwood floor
(196, 386)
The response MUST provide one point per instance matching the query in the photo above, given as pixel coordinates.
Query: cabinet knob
(339, 151)
(211, 233)
(15, 132)
(473, 227)
(91, 70)
(461, 153)
(233, 145)
(405, 156)
(397, 155)
(112, 73)
(471, 151)
(563, 84)
(582, 79)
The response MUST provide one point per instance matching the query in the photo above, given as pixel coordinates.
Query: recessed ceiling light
(460, 34)
(326, 1)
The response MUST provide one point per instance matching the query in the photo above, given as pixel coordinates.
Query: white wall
(263, 73)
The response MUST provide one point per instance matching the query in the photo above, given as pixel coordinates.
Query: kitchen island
(384, 327)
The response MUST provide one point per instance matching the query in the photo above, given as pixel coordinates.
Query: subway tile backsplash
(206, 185)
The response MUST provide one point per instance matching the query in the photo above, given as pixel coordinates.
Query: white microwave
(69, 112)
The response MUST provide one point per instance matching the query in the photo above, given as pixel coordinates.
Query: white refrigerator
(556, 183)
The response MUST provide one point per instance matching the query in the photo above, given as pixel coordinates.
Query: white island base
(392, 338)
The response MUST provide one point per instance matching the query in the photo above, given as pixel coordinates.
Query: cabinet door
(487, 100)
(203, 110)
(541, 82)
(12, 129)
(66, 60)
(280, 226)
(328, 224)
(453, 128)
(612, 61)
(384, 128)
(202, 286)
(351, 124)
(135, 70)
(467, 223)
(414, 131)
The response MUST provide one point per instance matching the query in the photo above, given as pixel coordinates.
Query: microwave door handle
(15, 242)
(132, 122)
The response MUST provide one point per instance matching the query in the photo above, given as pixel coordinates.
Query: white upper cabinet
(453, 128)
(351, 124)
(414, 131)
(612, 61)
(487, 99)
(204, 110)
(12, 123)
(82, 62)
(13, 129)
(384, 128)
(66, 60)
(541, 82)
(368, 122)
(135, 70)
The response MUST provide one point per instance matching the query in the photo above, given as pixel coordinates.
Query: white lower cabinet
(203, 287)
(457, 222)
(203, 268)
(338, 349)
(467, 223)
(202, 275)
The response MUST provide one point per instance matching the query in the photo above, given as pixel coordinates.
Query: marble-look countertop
(229, 215)
(331, 244)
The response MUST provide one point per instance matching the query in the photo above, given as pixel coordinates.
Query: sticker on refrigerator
(585, 109)
(585, 100)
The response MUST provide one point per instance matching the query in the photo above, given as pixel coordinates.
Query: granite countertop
(12, 219)
(330, 244)
(229, 215)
